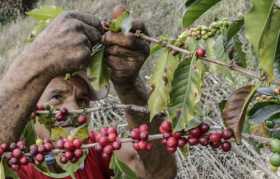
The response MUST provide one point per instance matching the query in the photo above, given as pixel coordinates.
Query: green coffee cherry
(275, 145)
(275, 160)
(269, 124)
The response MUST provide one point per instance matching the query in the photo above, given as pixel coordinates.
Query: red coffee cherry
(195, 132)
(215, 137)
(226, 146)
(200, 53)
(204, 127)
(166, 127)
(193, 140)
(82, 119)
(77, 143)
(227, 134)
(172, 142)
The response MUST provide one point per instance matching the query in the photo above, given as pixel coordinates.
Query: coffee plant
(176, 86)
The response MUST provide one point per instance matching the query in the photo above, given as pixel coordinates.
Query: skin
(64, 47)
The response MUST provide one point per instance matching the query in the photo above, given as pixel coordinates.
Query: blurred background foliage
(162, 17)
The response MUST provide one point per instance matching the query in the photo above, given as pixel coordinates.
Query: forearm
(157, 162)
(20, 88)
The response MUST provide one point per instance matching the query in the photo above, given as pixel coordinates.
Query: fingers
(122, 52)
(129, 41)
(138, 25)
(92, 34)
(85, 18)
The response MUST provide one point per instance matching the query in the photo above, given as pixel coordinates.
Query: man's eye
(55, 99)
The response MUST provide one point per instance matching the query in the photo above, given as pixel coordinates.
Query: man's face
(71, 94)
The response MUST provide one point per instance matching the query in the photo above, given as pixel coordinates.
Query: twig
(234, 67)
(88, 110)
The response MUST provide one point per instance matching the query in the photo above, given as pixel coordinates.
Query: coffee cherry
(112, 137)
(112, 130)
(13, 146)
(21, 145)
(16, 153)
(275, 159)
(104, 131)
(149, 146)
(77, 143)
(116, 145)
(227, 134)
(192, 140)
(41, 148)
(103, 141)
(143, 127)
(171, 149)
(48, 147)
(195, 132)
(203, 141)
(136, 146)
(215, 138)
(215, 145)
(68, 145)
(23, 160)
(200, 52)
(166, 127)
(144, 135)
(177, 135)
(135, 134)
(275, 145)
(82, 119)
(204, 127)
(64, 111)
(108, 149)
(78, 153)
(12, 161)
(63, 159)
(68, 155)
(142, 145)
(33, 149)
(226, 146)
(171, 142)
(182, 142)
(39, 158)
(98, 147)
(60, 144)
(4, 146)
(59, 116)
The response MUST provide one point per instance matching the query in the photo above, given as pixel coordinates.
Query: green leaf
(256, 20)
(45, 12)
(196, 9)
(235, 109)
(9, 173)
(80, 132)
(234, 28)
(58, 132)
(269, 43)
(37, 29)
(161, 79)
(98, 71)
(265, 113)
(29, 133)
(2, 171)
(239, 55)
(186, 93)
(122, 23)
(121, 170)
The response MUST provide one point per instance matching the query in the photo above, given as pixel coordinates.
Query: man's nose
(71, 104)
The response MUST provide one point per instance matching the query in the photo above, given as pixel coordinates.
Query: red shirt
(95, 167)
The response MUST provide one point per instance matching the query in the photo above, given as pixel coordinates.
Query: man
(36, 76)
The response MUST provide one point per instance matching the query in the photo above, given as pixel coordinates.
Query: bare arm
(125, 56)
(63, 47)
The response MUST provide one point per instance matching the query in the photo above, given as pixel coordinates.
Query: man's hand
(65, 45)
(125, 54)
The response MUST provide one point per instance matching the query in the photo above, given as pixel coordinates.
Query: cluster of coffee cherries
(62, 114)
(171, 140)
(72, 149)
(198, 135)
(140, 135)
(14, 154)
(106, 140)
(204, 32)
